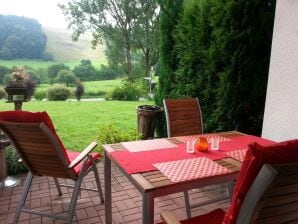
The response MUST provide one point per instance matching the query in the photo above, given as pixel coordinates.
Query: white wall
(281, 109)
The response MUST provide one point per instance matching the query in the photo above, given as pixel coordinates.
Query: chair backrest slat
(279, 203)
(39, 148)
(183, 116)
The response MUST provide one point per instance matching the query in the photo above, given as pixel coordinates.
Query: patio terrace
(126, 200)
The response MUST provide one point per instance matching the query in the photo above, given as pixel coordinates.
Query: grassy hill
(63, 48)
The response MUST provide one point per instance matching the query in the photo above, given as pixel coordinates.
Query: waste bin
(147, 115)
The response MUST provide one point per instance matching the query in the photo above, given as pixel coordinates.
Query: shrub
(128, 91)
(2, 93)
(91, 94)
(13, 166)
(80, 90)
(40, 94)
(3, 71)
(58, 92)
(66, 77)
(111, 133)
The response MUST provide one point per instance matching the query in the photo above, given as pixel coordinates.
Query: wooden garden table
(152, 184)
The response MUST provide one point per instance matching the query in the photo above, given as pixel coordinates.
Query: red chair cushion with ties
(72, 155)
(256, 157)
(31, 117)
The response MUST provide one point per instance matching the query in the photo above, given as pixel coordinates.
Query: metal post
(107, 189)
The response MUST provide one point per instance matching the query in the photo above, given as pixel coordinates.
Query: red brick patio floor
(126, 200)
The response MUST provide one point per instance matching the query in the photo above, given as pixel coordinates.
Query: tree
(46, 56)
(67, 77)
(54, 69)
(243, 81)
(125, 24)
(102, 17)
(6, 54)
(196, 74)
(146, 33)
(115, 51)
(85, 71)
(169, 17)
(220, 53)
(23, 37)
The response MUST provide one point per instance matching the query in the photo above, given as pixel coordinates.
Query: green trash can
(147, 115)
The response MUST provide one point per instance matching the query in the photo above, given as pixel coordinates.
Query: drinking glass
(215, 143)
(190, 146)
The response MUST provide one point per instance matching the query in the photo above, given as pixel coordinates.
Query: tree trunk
(147, 64)
(128, 57)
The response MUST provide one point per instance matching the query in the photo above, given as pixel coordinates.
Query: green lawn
(78, 123)
(44, 64)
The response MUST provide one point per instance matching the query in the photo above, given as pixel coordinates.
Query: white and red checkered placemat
(188, 169)
(147, 145)
(208, 136)
(237, 154)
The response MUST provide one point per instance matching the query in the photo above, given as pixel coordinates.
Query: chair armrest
(82, 155)
(169, 218)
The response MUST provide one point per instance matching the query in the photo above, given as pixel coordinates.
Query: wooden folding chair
(266, 191)
(184, 117)
(34, 137)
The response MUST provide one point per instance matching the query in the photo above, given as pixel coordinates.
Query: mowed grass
(36, 64)
(78, 123)
(104, 85)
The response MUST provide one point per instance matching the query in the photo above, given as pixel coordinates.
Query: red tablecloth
(242, 142)
(135, 162)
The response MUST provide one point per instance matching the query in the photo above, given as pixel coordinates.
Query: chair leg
(73, 201)
(230, 189)
(97, 182)
(187, 204)
(58, 186)
(23, 197)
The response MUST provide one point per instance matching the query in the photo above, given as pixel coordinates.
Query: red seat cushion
(31, 117)
(72, 155)
(256, 157)
(214, 217)
(39, 117)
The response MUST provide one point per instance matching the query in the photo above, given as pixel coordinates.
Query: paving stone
(126, 201)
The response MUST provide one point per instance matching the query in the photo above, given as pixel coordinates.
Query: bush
(66, 77)
(2, 93)
(91, 94)
(58, 92)
(111, 134)
(80, 90)
(13, 166)
(128, 91)
(40, 94)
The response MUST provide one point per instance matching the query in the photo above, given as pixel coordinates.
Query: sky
(45, 11)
